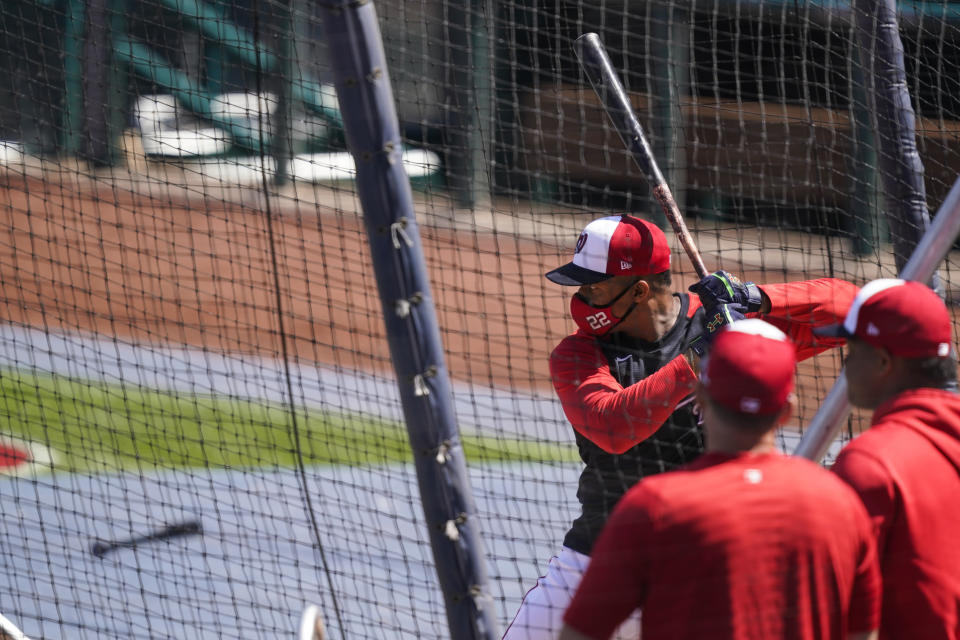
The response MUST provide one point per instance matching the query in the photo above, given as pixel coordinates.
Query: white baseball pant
(541, 613)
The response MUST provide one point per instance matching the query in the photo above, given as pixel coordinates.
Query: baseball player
(744, 542)
(626, 377)
(906, 466)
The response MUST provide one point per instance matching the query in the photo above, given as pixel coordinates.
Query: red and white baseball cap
(615, 246)
(750, 368)
(906, 318)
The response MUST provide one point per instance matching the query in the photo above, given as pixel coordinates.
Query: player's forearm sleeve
(797, 307)
(611, 416)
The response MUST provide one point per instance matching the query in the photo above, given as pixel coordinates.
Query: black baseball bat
(596, 64)
(102, 547)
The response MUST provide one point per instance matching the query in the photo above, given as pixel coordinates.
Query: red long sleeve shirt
(628, 400)
(616, 417)
(906, 469)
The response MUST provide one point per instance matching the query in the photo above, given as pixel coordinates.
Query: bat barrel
(613, 98)
(599, 70)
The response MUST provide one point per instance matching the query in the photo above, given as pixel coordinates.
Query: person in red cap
(906, 466)
(626, 377)
(744, 542)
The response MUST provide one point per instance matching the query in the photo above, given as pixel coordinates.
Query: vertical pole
(868, 227)
(280, 128)
(214, 60)
(669, 82)
(73, 76)
(482, 142)
(901, 170)
(216, 28)
(468, 137)
(117, 89)
(30, 26)
(373, 137)
(517, 72)
(98, 143)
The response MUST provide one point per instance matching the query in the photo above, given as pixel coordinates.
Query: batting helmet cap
(750, 368)
(615, 246)
(906, 318)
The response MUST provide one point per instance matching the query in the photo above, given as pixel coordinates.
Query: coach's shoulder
(813, 479)
(881, 443)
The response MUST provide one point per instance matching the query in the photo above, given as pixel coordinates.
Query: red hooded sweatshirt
(906, 468)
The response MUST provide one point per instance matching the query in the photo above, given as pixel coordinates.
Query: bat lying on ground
(190, 527)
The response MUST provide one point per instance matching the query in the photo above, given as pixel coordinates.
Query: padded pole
(373, 137)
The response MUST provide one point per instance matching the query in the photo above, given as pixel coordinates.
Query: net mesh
(191, 332)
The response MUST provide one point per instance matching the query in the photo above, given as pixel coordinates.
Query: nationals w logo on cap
(615, 246)
(581, 242)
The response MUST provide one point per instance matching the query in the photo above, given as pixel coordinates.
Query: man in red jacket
(626, 378)
(906, 467)
(744, 542)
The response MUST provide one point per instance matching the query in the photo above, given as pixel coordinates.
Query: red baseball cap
(906, 318)
(750, 368)
(615, 246)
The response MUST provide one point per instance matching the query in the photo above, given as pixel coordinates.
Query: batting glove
(714, 320)
(722, 287)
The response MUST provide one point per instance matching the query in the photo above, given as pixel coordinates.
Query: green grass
(96, 426)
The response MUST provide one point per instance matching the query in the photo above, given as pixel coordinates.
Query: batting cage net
(201, 433)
